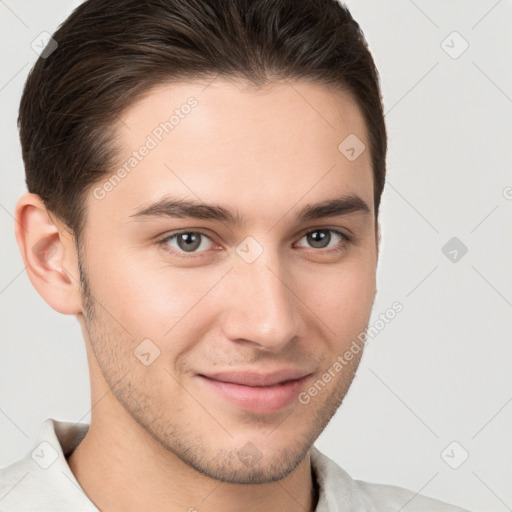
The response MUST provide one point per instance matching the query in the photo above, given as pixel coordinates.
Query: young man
(204, 184)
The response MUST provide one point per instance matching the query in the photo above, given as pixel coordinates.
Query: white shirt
(43, 481)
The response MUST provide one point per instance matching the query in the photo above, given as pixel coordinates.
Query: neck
(121, 467)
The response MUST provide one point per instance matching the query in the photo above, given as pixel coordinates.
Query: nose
(262, 308)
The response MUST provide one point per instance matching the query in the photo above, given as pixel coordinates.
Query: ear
(49, 254)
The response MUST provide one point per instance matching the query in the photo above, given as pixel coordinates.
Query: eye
(187, 242)
(321, 238)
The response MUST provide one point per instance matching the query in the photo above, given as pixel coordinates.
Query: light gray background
(440, 371)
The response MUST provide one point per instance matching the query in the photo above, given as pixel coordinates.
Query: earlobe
(49, 255)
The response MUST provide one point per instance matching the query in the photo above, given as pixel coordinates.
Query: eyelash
(163, 243)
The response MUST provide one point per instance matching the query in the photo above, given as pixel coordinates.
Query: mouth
(256, 393)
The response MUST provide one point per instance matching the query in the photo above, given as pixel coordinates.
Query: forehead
(260, 150)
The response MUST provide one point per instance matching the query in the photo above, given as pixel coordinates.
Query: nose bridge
(263, 307)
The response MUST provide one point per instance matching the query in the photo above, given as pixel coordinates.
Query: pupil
(191, 241)
(318, 237)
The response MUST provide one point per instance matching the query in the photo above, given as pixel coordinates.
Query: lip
(258, 393)
(255, 379)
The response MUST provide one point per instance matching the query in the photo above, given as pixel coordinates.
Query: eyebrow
(181, 208)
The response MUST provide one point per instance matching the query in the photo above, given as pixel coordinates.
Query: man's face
(270, 293)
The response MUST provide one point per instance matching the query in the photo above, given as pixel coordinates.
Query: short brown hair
(110, 52)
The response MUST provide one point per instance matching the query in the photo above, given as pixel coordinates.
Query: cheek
(154, 300)
(342, 296)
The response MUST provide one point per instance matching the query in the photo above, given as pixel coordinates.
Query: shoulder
(12, 475)
(42, 479)
(19, 483)
(397, 498)
(340, 492)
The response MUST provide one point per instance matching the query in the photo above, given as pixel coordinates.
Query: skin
(159, 438)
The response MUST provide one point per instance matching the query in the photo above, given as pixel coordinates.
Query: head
(267, 116)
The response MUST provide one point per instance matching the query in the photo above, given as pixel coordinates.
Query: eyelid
(336, 229)
(341, 246)
(182, 254)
